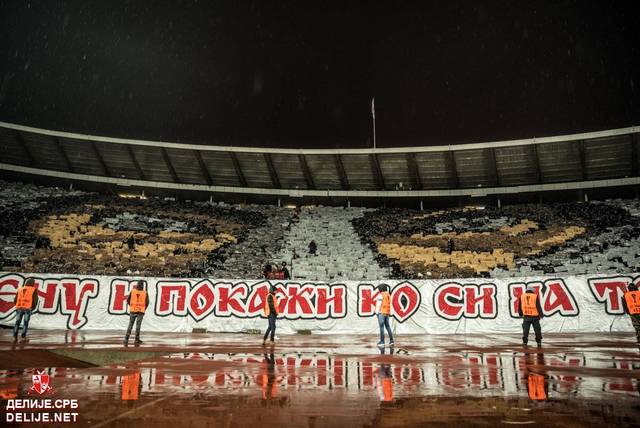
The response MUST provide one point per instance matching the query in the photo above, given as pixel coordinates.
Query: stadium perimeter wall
(571, 304)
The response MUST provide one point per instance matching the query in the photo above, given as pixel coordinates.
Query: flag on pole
(373, 108)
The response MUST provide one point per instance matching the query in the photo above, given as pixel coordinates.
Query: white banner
(570, 304)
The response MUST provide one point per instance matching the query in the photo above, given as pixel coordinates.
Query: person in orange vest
(384, 383)
(131, 386)
(536, 387)
(138, 300)
(271, 312)
(531, 311)
(631, 303)
(26, 301)
(268, 378)
(383, 313)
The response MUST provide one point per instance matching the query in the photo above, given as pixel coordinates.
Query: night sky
(302, 73)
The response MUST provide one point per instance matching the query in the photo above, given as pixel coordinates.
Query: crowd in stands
(87, 233)
(54, 230)
(322, 245)
(517, 240)
(273, 271)
(262, 243)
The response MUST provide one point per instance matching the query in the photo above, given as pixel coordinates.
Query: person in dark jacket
(271, 312)
(26, 302)
(131, 242)
(267, 270)
(531, 312)
(451, 246)
(313, 247)
(138, 301)
(285, 271)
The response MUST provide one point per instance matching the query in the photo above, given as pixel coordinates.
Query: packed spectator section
(517, 240)
(53, 230)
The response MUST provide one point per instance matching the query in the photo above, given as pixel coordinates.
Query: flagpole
(374, 132)
(373, 116)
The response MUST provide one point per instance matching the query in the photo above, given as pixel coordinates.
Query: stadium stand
(22, 203)
(74, 232)
(66, 231)
(339, 255)
(518, 240)
(264, 242)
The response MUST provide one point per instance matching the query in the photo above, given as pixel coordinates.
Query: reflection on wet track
(331, 380)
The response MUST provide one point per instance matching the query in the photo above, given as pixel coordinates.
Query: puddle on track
(574, 380)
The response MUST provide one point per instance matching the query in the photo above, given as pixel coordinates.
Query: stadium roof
(595, 159)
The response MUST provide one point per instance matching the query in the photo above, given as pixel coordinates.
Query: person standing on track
(26, 301)
(631, 303)
(531, 311)
(138, 300)
(383, 312)
(271, 312)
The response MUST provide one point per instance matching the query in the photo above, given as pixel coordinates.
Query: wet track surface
(231, 380)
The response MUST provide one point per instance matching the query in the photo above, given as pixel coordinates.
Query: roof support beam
(170, 167)
(386, 150)
(272, 171)
(27, 152)
(377, 172)
(634, 155)
(135, 163)
(344, 181)
(203, 168)
(100, 159)
(536, 159)
(583, 160)
(63, 154)
(235, 190)
(414, 172)
(306, 171)
(494, 166)
(453, 167)
(238, 168)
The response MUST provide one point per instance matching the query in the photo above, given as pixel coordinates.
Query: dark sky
(302, 73)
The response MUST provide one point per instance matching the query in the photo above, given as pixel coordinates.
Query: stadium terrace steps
(247, 258)
(53, 230)
(340, 254)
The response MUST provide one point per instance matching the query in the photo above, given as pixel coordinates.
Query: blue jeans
(272, 327)
(383, 322)
(20, 315)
